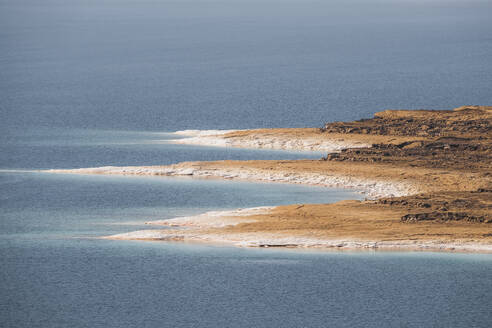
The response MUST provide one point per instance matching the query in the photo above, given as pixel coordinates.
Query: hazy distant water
(88, 83)
(166, 65)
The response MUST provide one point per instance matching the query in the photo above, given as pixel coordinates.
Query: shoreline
(295, 139)
(371, 187)
(428, 176)
(196, 229)
(290, 243)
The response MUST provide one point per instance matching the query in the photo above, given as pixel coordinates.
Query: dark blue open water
(89, 83)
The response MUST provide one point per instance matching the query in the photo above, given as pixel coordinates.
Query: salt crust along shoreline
(196, 232)
(226, 138)
(194, 228)
(203, 133)
(195, 224)
(214, 219)
(369, 187)
(272, 240)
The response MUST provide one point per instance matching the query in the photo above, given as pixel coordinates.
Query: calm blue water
(89, 83)
(169, 65)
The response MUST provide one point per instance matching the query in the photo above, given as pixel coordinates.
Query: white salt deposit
(274, 240)
(372, 188)
(202, 133)
(214, 219)
(219, 138)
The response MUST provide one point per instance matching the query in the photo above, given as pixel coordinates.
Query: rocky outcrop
(445, 216)
(444, 152)
(467, 206)
(458, 140)
(474, 120)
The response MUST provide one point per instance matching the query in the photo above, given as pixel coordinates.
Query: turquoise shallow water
(89, 83)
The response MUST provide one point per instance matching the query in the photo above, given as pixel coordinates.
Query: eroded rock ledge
(466, 120)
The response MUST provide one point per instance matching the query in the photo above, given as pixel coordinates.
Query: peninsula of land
(427, 175)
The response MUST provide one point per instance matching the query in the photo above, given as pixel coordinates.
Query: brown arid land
(428, 176)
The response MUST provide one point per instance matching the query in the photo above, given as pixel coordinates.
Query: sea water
(91, 83)
(216, 64)
(54, 272)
